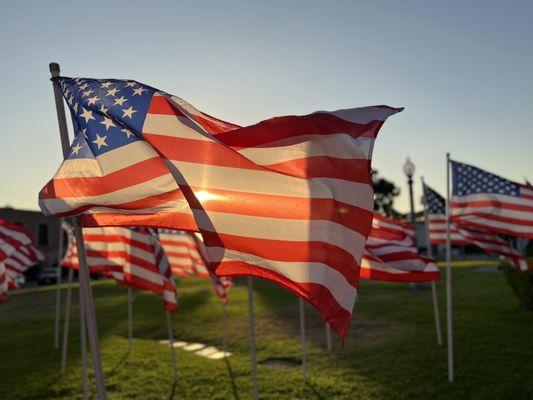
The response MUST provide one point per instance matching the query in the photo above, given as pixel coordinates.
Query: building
(45, 230)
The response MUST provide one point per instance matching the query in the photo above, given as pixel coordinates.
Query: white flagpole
(251, 321)
(58, 281)
(83, 340)
(328, 337)
(66, 322)
(130, 312)
(171, 344)
(430, 255)
(84, 277)
(449, 316)
(224, 328)
(302, 338)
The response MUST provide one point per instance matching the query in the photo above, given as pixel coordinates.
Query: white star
(93, 100)
(130, 84)
(83, 87)
(103, 110)
(84, 133)
(75, 107)
(108, 123)
(87, 115)
(138, 91)
(76, 149)
(70, 100)
(119, 101)
(100, 141)
(128, 112)
(127, 132)
(106, 85)
(112, 92)
(87, 93)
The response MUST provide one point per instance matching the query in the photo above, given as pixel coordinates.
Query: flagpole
(84, 278)
(83, 340)
(251, 321)
(171, 344)
(224, 328)
(328, 337)
(302, 338)
(430, 255)
(58, 281)
(66, 322)
(130, 324)
(449, 316)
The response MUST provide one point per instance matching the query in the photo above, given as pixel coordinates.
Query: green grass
(390, 352)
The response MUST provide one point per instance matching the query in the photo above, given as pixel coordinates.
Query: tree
(385, 192)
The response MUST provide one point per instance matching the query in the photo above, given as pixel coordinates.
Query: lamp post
(409, 169)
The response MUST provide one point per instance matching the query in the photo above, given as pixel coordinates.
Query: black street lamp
(409, 169)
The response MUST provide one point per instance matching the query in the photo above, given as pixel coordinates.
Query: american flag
(288, 199)
(128, 256)
(187, 257)
(483, 200)
(20, 261)
(486, 240)
(12, 237)
(391, 254)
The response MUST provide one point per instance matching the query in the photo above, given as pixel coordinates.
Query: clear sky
(463, 70)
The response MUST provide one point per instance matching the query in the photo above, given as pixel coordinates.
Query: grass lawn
(390, 352)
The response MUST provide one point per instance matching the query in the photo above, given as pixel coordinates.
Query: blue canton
(435, 202)
(468, 179)
(106, 114)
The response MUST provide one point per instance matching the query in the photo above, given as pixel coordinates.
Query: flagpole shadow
(173, 390)
(232, 380)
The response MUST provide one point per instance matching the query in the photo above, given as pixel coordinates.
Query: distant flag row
(483, 207)
(17, 254)
(391, 254)
(289, 199)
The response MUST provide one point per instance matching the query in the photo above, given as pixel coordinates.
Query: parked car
(47, 275)
(20, 280)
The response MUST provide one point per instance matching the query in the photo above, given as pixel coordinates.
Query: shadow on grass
(173, 390)
(232, 380)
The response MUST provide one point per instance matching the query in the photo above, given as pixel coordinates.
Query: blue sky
(463, 70)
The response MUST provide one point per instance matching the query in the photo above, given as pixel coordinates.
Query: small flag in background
(187, 257)
(3, 284)
(20, 261)
(289, 199)
(126, 255)
(483, 200)
(12, 237)
(485, 239)
(391, 254)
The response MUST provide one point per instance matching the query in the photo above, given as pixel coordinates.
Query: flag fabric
(126, 255)
(391, 255)
(3, 283)
(12, 237)
(486, 240)
(188, 258)
(487, 201)
(20, 261)
(289, 199)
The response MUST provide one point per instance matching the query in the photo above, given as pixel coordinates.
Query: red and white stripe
(289, 199)
(20, 261)
(391, 255)
(12, 237)
(498, 213)
(126, 255)
(437, 231)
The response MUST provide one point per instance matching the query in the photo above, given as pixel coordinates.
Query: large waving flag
(486, 240)
(483, 200)
(128, 256)
(391, 254)
(288, 199)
